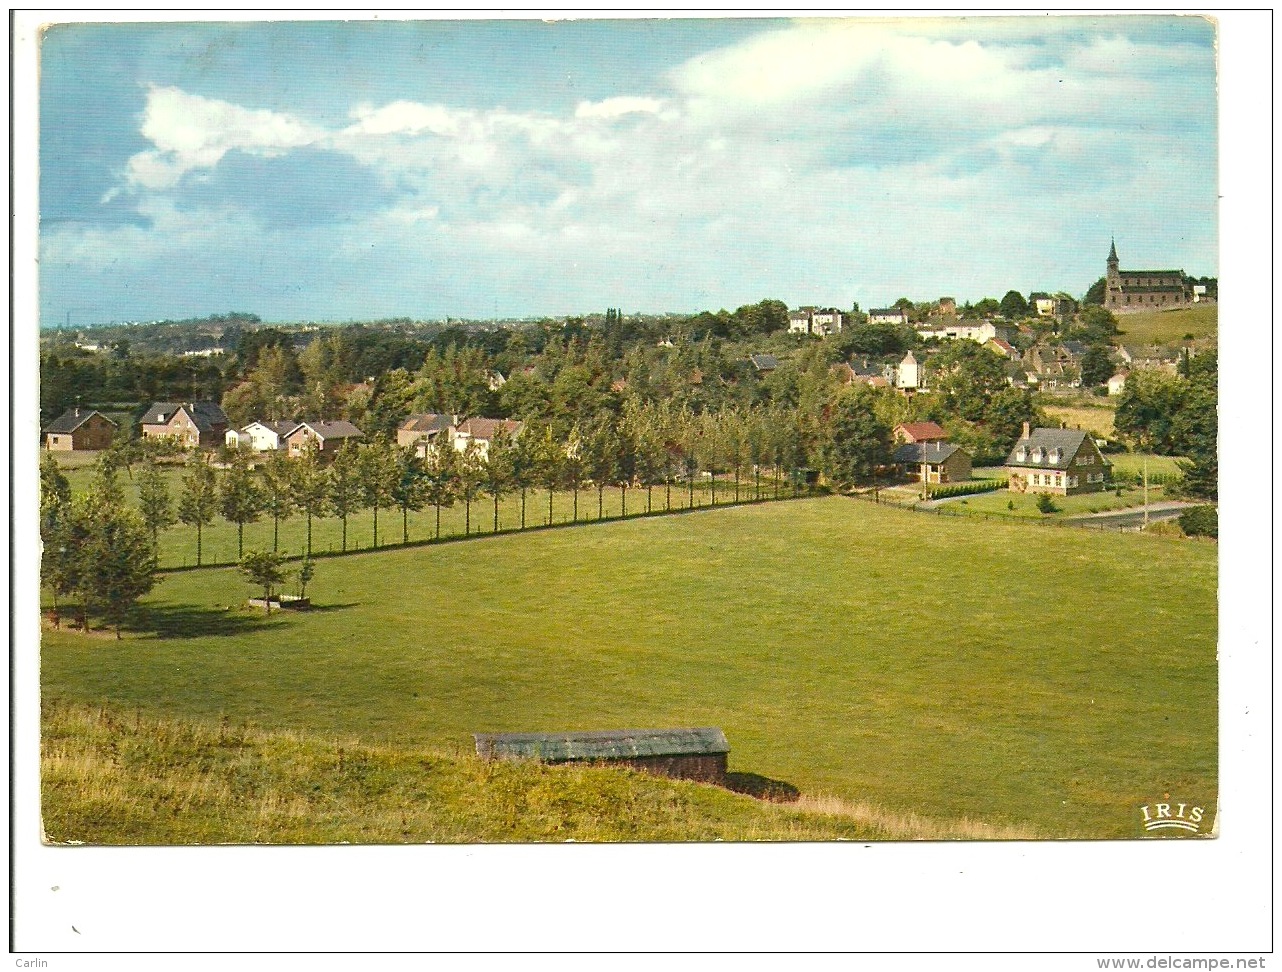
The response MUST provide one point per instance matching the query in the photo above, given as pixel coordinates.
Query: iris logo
(1172, 816)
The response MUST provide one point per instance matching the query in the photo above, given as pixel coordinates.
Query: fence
(1080, 524)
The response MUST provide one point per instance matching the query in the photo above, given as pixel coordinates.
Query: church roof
(1112, 251)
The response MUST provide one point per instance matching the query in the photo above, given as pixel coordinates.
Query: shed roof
(564, 747)
(72, 419)
(925, 452)
(923, 430)
(765, 362)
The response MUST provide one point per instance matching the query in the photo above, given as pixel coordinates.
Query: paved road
(1120, 519)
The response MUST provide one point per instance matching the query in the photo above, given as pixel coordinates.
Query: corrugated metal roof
(563, 747)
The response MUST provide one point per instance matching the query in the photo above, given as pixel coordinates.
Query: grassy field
(1097, 420)
(219, 546)
(112, 777)
(1133, 463)
(1168, 327)
(1048, 679)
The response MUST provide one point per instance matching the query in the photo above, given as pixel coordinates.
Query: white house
(981, 332)
(815, 320)
(887, 315)
(482, 431)
(908, 375)
(1117, 383)
(260, 436)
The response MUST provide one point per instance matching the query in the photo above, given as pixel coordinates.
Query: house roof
(339, 429)
(765, 362)
(427, 422)
(280, 428)
(1004, 345)
(204, 415)
(561, 747)
(1067, 441)
(925, 451)
(1075, 348)
(72, 419)
(923, 430)
(485, 428)
(886, 312)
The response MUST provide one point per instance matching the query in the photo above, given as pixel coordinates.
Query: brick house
(78, 429)
(329, 437)
(1062, 461)
(193, 424)
(933, 462)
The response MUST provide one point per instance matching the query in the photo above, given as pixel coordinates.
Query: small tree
(378, 476)
(242, 499)
(1200, 521)
(311, 487)
(119, 561)
(279, 491)
(55, 494)
(496, 477)
(265, 569)
(471, 471)
(345, 485)
(409, 487)
(306, 571)
(442, 475)
(154, 502)
(1045, 504)
(198, 502)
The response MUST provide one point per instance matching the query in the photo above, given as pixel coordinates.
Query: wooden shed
(685, 754)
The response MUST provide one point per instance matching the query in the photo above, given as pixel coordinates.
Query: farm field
(939, 666)
(1168, 327)
(1097, 421)
(1132, 463)
(177, 545)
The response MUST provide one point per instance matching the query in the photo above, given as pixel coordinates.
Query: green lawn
(1133, 462)
(1168, 327)
(1057, 679)
(1005, 503)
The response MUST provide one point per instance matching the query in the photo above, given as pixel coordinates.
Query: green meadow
(1047, 680)
(1168, 327)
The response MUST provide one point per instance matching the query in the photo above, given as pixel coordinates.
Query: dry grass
(910, 826)
(1098, 420)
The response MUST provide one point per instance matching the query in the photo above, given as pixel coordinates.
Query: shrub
(1201, 521)
(1045, 504)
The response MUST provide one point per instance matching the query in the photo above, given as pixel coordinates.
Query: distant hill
(1168, 327)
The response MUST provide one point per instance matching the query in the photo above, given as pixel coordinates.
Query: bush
(965, 489)
(1045, 504)
(1201, 521)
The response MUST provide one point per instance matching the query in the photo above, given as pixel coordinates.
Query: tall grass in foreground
(112, 777)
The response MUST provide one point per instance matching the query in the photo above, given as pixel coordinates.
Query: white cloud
(617, 107)
(405, 117)
(192, 132)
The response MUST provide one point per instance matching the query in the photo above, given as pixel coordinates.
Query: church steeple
(1112, 254)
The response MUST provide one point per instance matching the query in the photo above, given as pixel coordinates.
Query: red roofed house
(482, 432)
(920, 432)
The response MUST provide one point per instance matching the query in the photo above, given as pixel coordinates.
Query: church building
(1143, 290)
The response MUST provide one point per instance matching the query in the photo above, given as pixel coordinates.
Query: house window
(1072, 482)
(55, 440)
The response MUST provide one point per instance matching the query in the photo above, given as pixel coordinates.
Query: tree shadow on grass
(762, 787)
(191, 621)
(324, 608)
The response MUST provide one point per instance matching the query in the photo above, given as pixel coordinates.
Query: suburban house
(687, 754)
(419, 431)
(329, 437)
(482, 432)
(1004, 348)
(260, 436)
(816, 320)
(908, 375)
(1149, 359)
(1063, 461)
(192, 424)
(932, 462)
(980, 332)
(764, 363)
(1118, 382)
(79, 429)
(919, 432)
(887, 315)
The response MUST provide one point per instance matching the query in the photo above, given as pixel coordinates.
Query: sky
(358, 170)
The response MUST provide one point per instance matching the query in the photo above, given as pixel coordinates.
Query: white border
(1155, 897)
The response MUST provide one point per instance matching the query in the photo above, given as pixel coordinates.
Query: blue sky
(332, 171)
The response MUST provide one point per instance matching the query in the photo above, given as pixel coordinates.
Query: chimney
(1026, 432)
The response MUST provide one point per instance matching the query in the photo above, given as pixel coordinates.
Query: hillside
(945, 667)
(1168, 327)
(111, 777)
